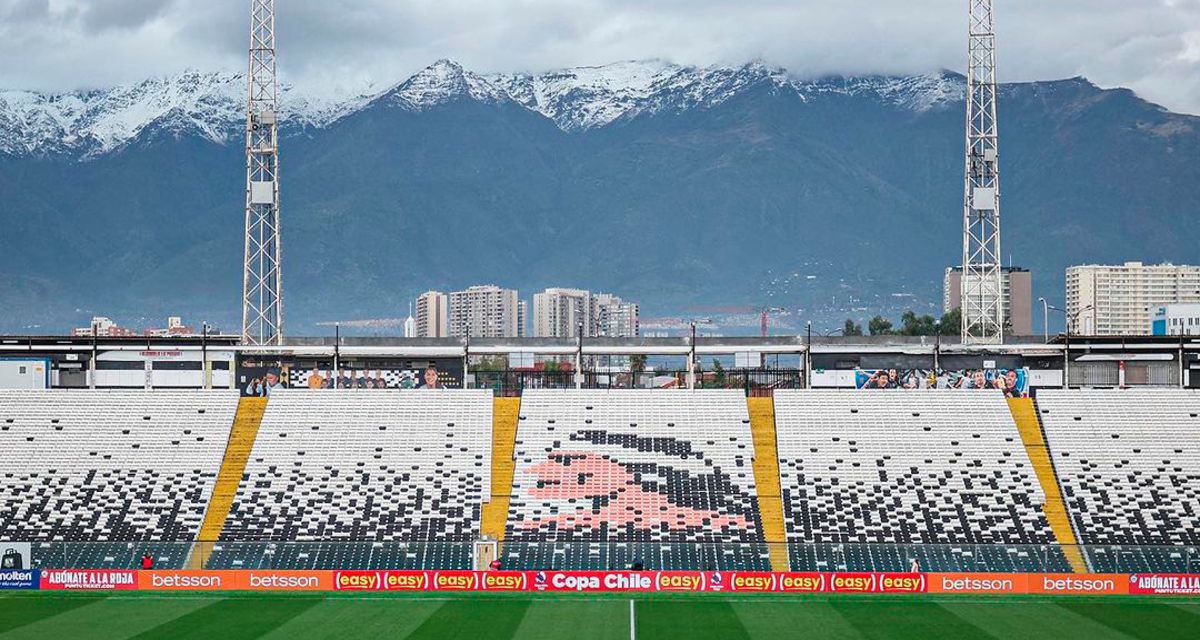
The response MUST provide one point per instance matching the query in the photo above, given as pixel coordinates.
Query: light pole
(1070, 319)
(808, 355)
(337, 355)
(692, 359)
(579, 359)
(1045, 318)
(206, 383)
(937, 346)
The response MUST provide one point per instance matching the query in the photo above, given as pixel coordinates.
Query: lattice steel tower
(982, 303)
(262, 294)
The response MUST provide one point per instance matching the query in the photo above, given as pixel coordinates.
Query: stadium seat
(1128, 462)
(871, 481)
(362, 479)
(98, 478)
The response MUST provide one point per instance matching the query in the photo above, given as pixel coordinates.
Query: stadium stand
(233, 466)
(126, 472)
(1129, 465)
(362, 479)
(865, 475)
(607, 479)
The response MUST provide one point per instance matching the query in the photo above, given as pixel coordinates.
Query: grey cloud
(1152, 46)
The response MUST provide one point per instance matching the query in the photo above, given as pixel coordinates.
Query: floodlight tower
(982, 311)
(262, 295)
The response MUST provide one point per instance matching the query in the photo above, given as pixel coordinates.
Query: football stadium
(255, 486)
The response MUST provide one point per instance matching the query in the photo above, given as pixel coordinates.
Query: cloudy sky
(1151, 46)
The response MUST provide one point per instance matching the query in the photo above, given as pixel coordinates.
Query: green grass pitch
(691, 617)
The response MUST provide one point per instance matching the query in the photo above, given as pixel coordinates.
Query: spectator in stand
(271, 382)
(914, 566)
(494, 565)
(431, 378)
(1011, 390)
(147, 561)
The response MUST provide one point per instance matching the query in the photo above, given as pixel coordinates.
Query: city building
(410, 324)
(433, 315)
(175, 327)
(1016, 290)
(1176, 320)
(485, 311)
(615, 318)
(1109, 300)
(103, 327)
(559, 313)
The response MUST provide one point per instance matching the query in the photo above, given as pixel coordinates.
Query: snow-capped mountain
(210, 104)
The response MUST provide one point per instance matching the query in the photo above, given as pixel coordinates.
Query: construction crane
(981, 283)
(262, 294)
(763, 318)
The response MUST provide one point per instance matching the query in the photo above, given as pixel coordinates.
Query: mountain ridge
(98, 121)
(670, 185)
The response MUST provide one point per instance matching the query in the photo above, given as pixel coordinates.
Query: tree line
(910, 325)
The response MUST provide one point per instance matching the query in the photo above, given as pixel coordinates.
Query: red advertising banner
(1171, 584)
(625, 581)
(98, 579)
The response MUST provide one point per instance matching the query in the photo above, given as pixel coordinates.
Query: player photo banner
(1013, 382)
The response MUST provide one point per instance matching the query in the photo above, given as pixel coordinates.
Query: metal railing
(753, 382)
(588, 555)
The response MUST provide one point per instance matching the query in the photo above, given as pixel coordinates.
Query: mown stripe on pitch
(105, 619)
(475, 619)
(1140, 619)
(230, 619)
(885, 618)
(18, 612)
(1030, 619)
(363, 617)
(789, 618)
(606, 619)
(688, 620)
